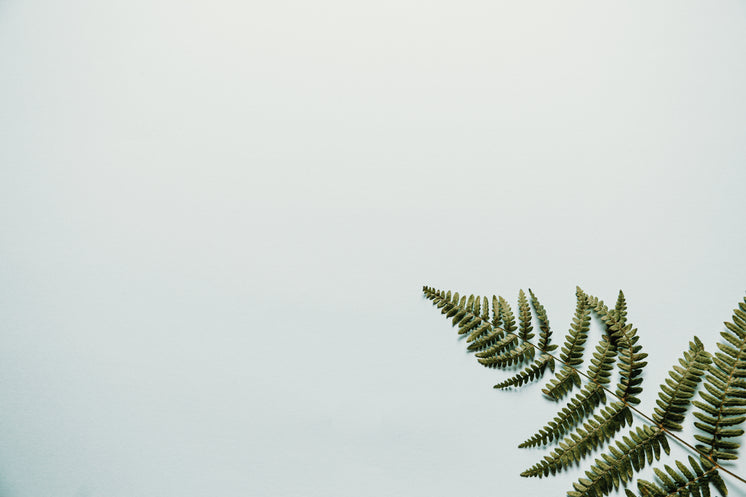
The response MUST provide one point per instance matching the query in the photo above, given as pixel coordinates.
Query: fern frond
(536, 369)
(724, 403)
(579, 407)
(631, 357)
(564, 380)
(673, 401)
(594, 433)
(675, 394)
(584, 402)
(513, 349)
(486, 338)
(619, 464)
(494, 347)
(470, 315)
(483, 324)
(464, 311)
(695, 481)
(631, 365)
(488, 332)
(545, 336)
(518, 355)
(584, 424)
(506, 316)
(504, 344)
(532, 372)
(524, 318)
(620, 310)
(496, 313)
(571, 354)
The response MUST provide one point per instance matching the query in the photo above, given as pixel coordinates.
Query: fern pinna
(593, 417)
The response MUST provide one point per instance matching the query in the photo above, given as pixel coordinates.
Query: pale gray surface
(217, 217)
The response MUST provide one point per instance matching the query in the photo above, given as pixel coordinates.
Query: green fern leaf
(631, 358)
(620, 311)
(513, 356)
(503, 345)
(617, 466)
(675, 394)
(584, 402)
(545, 335)
(524, 318)
(695, 481)
(571, 355)
(532, 372)
(594, 433)
(673, 401)
(498, 339)
(507, 316)
(725, 397)
(486, 338)
(512, 349)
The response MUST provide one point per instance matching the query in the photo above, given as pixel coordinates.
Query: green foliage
(596, 413)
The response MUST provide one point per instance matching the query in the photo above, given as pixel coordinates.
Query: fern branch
(594, 433)
(483, 341)
(631, 362)
(546, 332)
(675, 394)
(620, 311)
(524, 317)
(571, 355)
(504, 344)
(514, 355)
(621, 462)
(579, 407)
(536, 369)
(513, 348)
(695, 481)
(725, 400)
(585, 401)
(533, 371)
(673, 402)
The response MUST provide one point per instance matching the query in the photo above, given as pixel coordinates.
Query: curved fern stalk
(642, 444)
(695, 481)
(724, 403)
(584, 402)
(571, 352)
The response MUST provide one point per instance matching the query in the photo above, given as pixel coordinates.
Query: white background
(216, 219)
